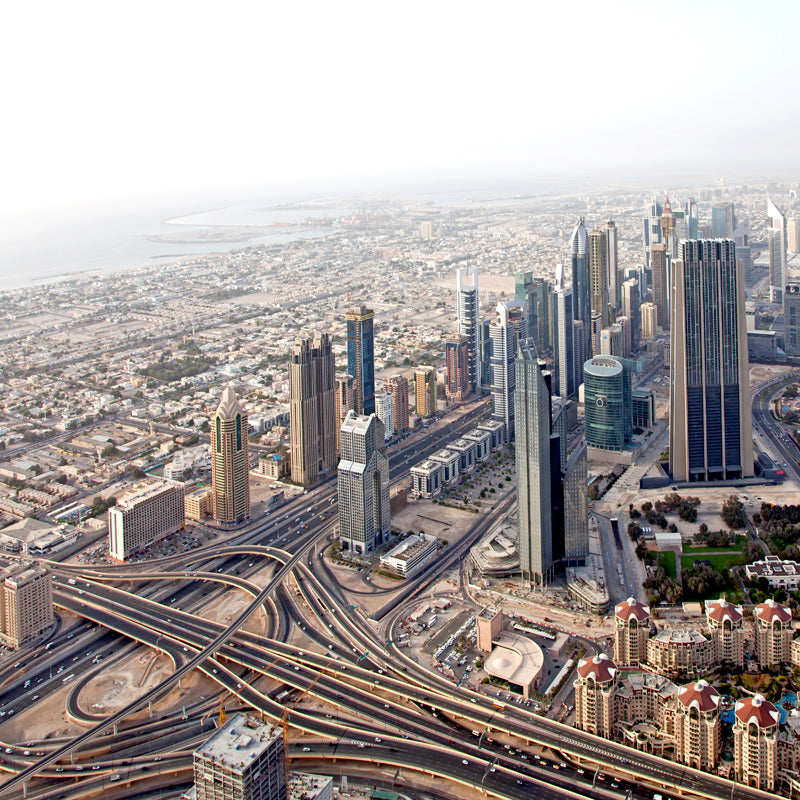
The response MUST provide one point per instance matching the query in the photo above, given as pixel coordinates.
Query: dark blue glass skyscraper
(361, 358)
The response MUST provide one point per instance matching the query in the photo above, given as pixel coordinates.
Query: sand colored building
(680, 652)
(773, 634)
(725, 625)
(755, 742)
(697, 727)
(230, 461)
(631, 633)
(595, 692)
(26, 604)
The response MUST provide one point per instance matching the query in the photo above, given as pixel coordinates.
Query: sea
(56, 244)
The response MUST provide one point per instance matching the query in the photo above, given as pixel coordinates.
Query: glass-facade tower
(361, 357)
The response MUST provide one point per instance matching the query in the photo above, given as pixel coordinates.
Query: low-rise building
(198, 504)
(780, 574)
(467, 452)
(483, 443)
(426, 479)
(411, 555)
(451, 465)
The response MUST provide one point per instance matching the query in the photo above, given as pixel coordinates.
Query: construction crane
(285, 720)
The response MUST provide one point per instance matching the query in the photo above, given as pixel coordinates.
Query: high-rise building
(607, 392)
(612, 265)
(543, 332)
(343, 402)
(631, 632)
(659, 264)
(649, 313)
(791, 315)
(384, 408)
(425, 390)
(244, 759)
(597, 326)
(230, 461)
(755, 742)
(668, 229)
(457, 367)
(710, 417)
(579, 350)
(652, 229)
(723, 221)
(503, 337)
(534, 479)
(581, 299)
(524, 293)
(26, 603)
(516, 318)
(361, 357)
(741, 238)
(363, 484)
(776, 239)
(486, 354)
(574, 482)
(631, 308)
(698, 732)
(792, 234)
(612, 341)
(146, 513)
(692, 219)
(469, 321)
(397, 386)
(598, 276)
(312, 409)
(564, 339)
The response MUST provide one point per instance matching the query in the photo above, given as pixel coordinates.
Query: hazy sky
(119, 99)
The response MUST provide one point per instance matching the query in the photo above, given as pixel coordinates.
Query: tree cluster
(733, 513)
(779, 527)
(684, 507)
(701, 580)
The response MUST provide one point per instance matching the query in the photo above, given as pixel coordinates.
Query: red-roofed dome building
(698, 725)
(755, 742)
(595, 688)
(725, 625)
(631, 632)
(773, 634)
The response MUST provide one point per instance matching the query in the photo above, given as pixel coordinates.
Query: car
(306, 749)
(79, 768)
(492, 769)
(95, 766)
(465, 762)
(520, 783)
(59, 769)
(378, 739)
(9, 750)
(157, 758)
(26, 753)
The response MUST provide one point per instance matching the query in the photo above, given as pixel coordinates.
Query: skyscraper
(363, 484)
(534, 514)
(397, 386)
(564, 343)
(791, 314)
(384, 408)
(425, 390)
(649, 320)
(631, 309)
(651, 233)
(598, 276)
(469, 321)
(607, 391)
(776, 238)
(668, 229)
(230, 461)
(658, 264)
(361, 357)
(457, 361)
(543, 332)
(503, 337)
(312, 409)
(343, 402)
(582, 307)
(612, 265)
(710, 416)
(524, 293)
(741, 238)
(723, 220)
(792, 234)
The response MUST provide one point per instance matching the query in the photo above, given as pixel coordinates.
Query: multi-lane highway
(370, 702)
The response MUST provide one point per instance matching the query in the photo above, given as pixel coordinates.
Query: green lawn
(669, 563)
(719, 561)
(706, 549)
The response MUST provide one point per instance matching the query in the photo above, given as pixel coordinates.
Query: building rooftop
(723, 611)
(700, 695)
(632, 608)
(600, 668)
(757, 710)
(238, 742)
(411, 547)
(769, 611)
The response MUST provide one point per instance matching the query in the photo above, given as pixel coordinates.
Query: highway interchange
(363, 700)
